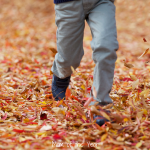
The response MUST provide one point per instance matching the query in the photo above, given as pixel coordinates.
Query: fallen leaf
(135, 84)
(144, 53)
(59, 110)
(72, 69)
(43, 116)
(145, 93)
(68, 93)
(133, 77)
(88, 102)
(128, 65)
(103, 137)
(53, 50)
(94, 92)
(144, 40)
(45, 127)
(139, 144)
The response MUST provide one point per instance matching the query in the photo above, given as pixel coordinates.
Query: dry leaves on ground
(29, 116)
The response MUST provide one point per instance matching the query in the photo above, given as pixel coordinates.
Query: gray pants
(100, 16)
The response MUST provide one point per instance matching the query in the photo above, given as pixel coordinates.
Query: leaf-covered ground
(31, 119)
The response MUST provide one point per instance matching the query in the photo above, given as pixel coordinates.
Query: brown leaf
(144, 53)
(24, 90)
(144, 40)
(117, 117)
(53, 50)
(72, 69)
(128, 65)
(43, 116)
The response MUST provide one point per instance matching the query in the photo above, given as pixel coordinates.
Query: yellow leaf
(114, 131)
(43, 102)
(104, 136)
(144, 137)
(79, 121)
(145, 93)
(139, 144)
(125, 119)
(84, 117)
(26, 120)
(41, 133)
(83, 87)
(133, 77)
(144, 111)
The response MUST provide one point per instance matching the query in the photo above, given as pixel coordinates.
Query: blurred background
(27, 29)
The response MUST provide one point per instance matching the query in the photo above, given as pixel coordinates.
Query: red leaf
(18, 130)
(4, 117)
(144, 40)
(127, 79)
(85, 98)
(54, 127)
(56, 137)
(74, 97)
(62, 133)
(32, 118)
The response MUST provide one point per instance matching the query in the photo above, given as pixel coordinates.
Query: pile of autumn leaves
(129, 118)
(31, 119)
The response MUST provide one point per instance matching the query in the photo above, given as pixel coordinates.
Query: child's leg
(70, 23)
(101, 20)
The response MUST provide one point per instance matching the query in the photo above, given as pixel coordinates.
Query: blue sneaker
(100, 120)
(59, 87)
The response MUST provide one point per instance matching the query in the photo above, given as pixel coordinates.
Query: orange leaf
(104, 136)
(94, 92)
(68, 93)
